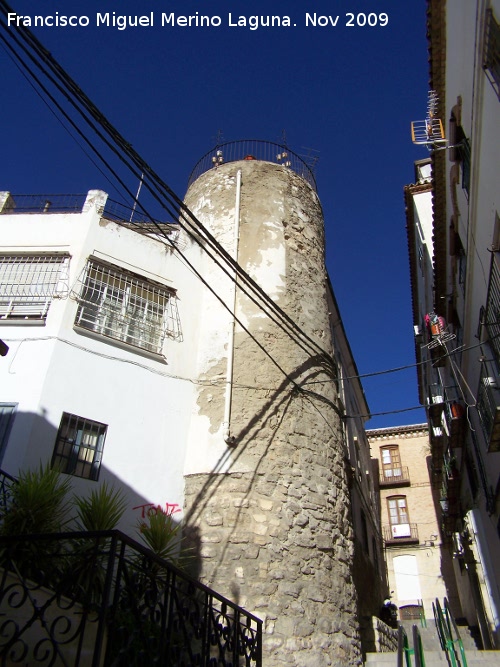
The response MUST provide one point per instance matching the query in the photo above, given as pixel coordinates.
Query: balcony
(450, 498)
(401, 533)
(451, 477)
(435, 403)
(437, 440)
(457, 424)
(393, 477)
(450, 517)
(488, 407)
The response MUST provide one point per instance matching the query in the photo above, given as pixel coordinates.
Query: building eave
(436, 36)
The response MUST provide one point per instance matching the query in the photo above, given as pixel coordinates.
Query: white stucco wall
(52, 369)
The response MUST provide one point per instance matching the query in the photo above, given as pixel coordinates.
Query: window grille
(121, 305)
(491, 60)
(29, 282)
(79, 446)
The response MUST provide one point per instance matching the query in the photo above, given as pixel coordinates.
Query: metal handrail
(421, 614)
(418, 648)
(404, 650)
(448, 633)
(107, 596)
(458, 639)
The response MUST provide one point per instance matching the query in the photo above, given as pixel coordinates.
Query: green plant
(161, 534)
(38, 503)
(102, 510)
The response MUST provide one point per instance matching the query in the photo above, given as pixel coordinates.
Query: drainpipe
(230, 440)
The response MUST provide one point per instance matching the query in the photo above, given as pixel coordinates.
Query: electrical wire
(163, 194)
(42, 98)
(160, 190)
(155, 371)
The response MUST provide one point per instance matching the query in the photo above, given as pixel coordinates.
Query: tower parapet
(253, 149)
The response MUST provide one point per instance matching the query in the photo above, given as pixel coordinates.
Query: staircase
(462, 649)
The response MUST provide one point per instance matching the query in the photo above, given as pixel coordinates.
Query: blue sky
(348, 94)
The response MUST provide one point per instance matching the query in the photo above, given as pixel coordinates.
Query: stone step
(386, 659)
(437, 659)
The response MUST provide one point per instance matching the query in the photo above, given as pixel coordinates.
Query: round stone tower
(265, 485)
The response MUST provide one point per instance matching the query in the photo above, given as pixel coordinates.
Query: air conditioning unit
(417, 330)
(401, 530)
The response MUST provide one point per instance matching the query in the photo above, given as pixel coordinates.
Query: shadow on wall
(27, 441)
(447, 569)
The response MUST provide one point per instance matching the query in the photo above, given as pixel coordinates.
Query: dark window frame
(79, 446)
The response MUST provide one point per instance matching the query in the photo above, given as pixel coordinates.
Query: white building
(459, 375)
(90, 312)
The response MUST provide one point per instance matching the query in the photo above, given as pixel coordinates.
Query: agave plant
(161, 534)
(38, 503)
(102, 510)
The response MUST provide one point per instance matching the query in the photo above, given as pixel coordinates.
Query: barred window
(79, 446)
(491, 58)
(123, 306)
(29, 282)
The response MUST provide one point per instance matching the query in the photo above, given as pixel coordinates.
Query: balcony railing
(493, 306)
(399, 476)
(401, 533)
(101, 598)
(457, 424)
(435, 403)
(488, 407)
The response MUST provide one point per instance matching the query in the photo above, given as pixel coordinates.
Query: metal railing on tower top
(253, 149)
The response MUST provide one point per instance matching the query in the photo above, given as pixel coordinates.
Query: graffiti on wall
(150, 508)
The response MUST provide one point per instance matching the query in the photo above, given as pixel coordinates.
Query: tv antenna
(429, 132)
(311, 157)
(219, 138)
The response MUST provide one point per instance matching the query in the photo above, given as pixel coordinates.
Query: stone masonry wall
(274, 525)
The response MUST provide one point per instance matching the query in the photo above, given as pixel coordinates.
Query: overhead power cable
(160, 191)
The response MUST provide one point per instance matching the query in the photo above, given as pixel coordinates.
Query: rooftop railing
(253, 149)
(44, 204)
